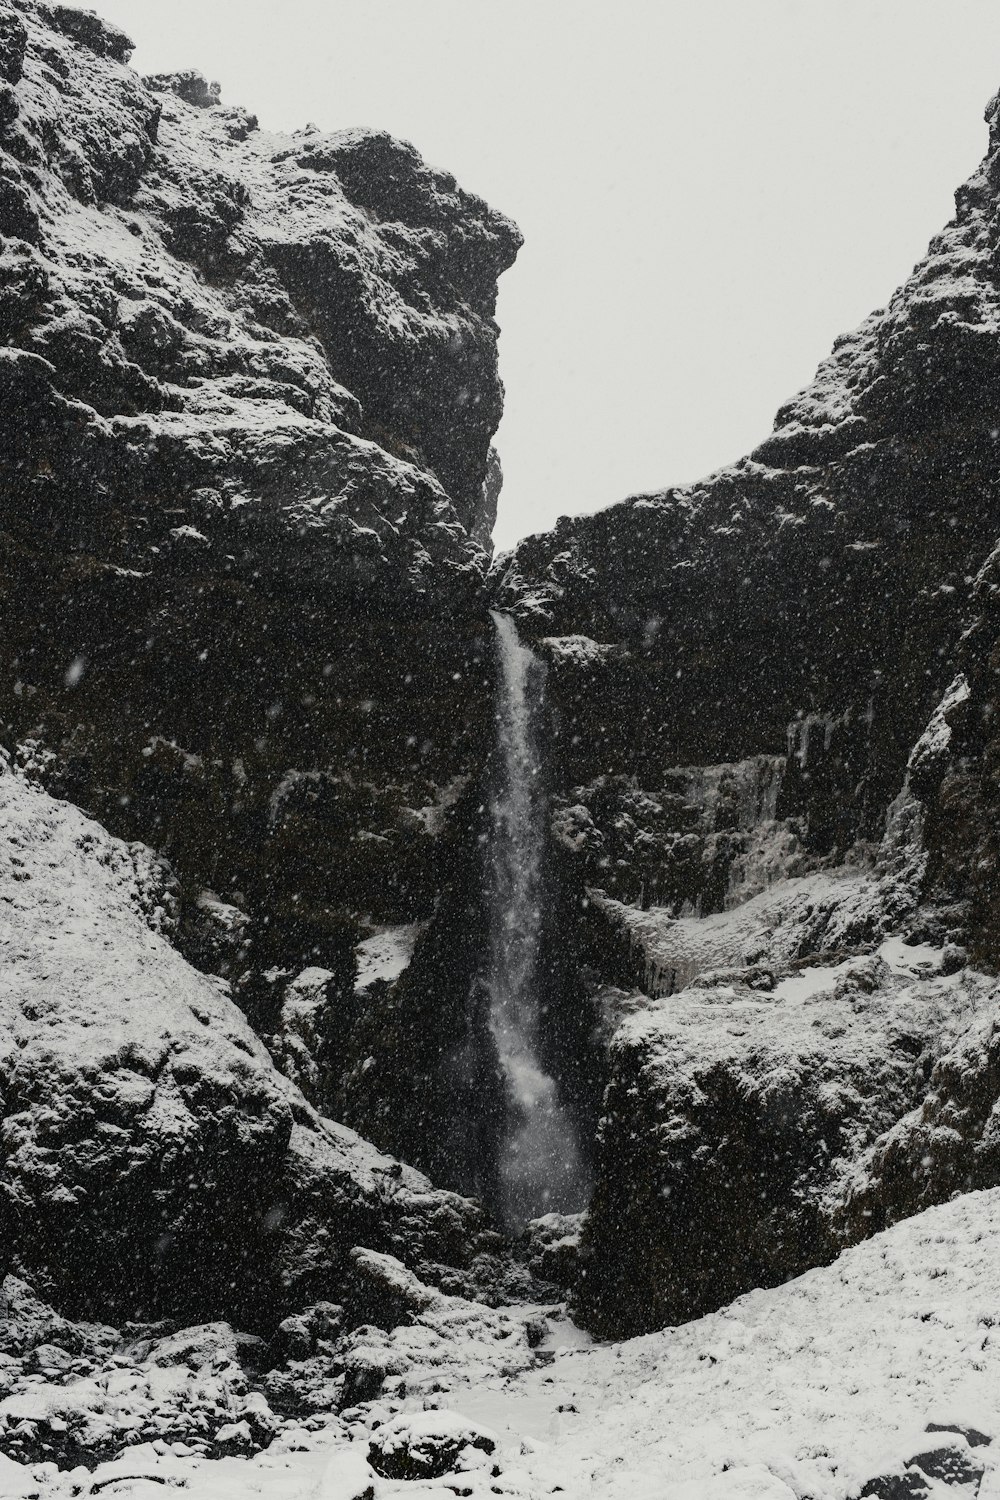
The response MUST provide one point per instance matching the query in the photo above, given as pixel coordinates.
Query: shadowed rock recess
(248, 756)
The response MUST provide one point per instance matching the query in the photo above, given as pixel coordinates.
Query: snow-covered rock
(153, 1157)
(741, 1124)
(806, 602)
(877, 1371)
(425, 1445)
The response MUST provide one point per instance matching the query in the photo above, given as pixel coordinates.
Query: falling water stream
(541, 1169)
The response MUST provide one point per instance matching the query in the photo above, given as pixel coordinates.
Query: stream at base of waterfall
(541, 1169)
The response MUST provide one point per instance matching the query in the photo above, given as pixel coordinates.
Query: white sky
(710, 190)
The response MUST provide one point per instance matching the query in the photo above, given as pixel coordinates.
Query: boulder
(425, 1445)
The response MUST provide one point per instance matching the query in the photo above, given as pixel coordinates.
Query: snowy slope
(153, 1157)
(812, 1390)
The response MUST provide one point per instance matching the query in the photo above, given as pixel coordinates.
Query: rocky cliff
(772, 731)
(821, 582)
(248, 384)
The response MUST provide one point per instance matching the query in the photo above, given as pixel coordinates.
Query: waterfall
(540, 1166)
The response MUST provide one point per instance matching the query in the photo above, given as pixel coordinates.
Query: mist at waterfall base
(541, 1169)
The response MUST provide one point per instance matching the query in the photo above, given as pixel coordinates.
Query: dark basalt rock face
(248, 391)
(743, 673)
(824, 575)
(247, 385)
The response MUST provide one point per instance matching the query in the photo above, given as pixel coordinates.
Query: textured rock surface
(248, 388)
(248, 384)
(740, 678)
(822, 578)
(740, 1127)
(154, 1160)
(786, 1076)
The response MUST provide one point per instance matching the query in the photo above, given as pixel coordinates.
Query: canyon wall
(773, 700)
(248, 384)
(248, 676)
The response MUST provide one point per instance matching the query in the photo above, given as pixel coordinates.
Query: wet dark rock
(972, 1435)
(553, 1249)
(297, 1336)
(951, 1461)
(905, 1484)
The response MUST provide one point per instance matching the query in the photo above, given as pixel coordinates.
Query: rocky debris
(878, 1368)
(215, 936)
(93, 1391)
(306, 1332)
(426, 1445)
(381, 1290)
(310, 1024)
(425, 1340)
(27, 1324)
(946, 1143)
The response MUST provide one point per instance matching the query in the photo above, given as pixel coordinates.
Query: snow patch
(384, 955)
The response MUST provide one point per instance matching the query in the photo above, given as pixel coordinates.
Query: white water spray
(540, 1165)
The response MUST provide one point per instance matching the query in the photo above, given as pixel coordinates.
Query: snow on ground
(808, 1390)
